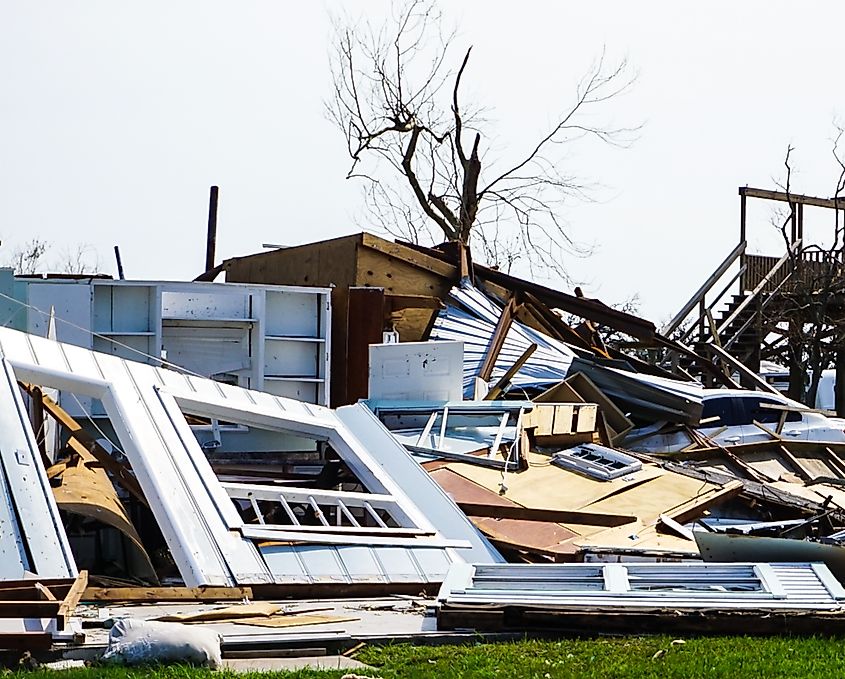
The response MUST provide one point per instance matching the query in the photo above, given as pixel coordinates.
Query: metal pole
(211, 240)
(119, 262)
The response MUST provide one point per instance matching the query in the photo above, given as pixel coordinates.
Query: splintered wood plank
(167, 593)
(71, 600)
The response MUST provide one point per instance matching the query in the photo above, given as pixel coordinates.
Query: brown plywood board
(529, 535)
(546, 486)
(659, 495)
(248, 611)
(295, 620)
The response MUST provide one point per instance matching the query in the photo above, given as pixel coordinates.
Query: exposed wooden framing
(705, 365)
(545, 515)
(553, 324)
(588, 309)
(497, 389)
(799, 468)
(411, 255)
(40, 599)
(82, 440)
(675, 527)
(498, 339)
(796, 198)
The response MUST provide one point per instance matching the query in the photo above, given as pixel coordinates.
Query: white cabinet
(270, 338)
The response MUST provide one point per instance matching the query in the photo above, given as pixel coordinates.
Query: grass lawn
(627, 657)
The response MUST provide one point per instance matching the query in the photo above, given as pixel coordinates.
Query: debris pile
(415, 425)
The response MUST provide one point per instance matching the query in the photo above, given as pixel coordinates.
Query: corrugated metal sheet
(645, 585)
(471, 317)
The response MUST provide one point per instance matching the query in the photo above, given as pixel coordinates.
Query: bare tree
(27, 258)
(30, 258)
(78, 260)
(398, 104)
(805, 328)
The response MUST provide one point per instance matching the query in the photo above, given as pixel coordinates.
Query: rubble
(491, 439)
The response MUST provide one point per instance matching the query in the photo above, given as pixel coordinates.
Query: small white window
(597, 461)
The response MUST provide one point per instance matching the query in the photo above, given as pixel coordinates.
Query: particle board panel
(546, 486)
(658, 496)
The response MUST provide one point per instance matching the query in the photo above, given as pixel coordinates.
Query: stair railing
(788, 257)
(698, 299)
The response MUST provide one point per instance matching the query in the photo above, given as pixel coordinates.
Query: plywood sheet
(530, 535)
(546, 486)
(659, 495)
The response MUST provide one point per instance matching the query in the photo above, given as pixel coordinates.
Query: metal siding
(798, 586)
(471, 317)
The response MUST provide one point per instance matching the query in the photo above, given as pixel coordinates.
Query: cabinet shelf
(294, 338)
(193, 319)
(125, 333)
(283, 378)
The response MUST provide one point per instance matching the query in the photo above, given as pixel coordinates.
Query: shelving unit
(296, 345)
(270, 338)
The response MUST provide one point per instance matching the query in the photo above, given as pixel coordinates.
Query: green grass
(628, 657)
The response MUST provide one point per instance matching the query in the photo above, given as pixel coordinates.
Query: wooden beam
(45, 592)
(71, 600)
(499, 387)
(497, 339)
(22, 641)
(29, 609)
(411, 256)
(544, 515)
(742, 369)
(167, 593)
(795, 198)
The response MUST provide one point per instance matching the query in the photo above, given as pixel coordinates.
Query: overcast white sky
(116, 117)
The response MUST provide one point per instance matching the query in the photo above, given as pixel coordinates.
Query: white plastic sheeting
(207, 537)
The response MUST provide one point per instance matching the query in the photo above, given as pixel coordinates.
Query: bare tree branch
(387, 101)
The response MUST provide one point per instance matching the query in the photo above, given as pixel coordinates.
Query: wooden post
(365, 324)
(793, 223)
